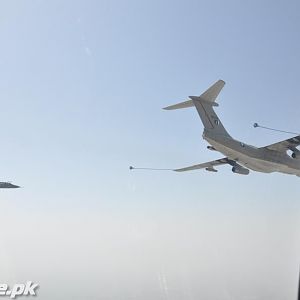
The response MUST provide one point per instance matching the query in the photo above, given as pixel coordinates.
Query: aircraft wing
(283, 146)
(209, 166)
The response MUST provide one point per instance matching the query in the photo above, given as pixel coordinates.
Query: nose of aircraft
(8, 185)
(13, 186)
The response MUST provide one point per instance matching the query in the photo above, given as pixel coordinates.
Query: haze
(82, 86)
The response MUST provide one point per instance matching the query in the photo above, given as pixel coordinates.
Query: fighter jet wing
(209, 166)
(283, 146)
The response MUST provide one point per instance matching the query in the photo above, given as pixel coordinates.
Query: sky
(82, 86)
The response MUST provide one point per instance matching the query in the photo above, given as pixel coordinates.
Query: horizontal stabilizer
(209, 96)
(184, 104)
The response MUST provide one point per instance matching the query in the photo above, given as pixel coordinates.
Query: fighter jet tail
(204, 105)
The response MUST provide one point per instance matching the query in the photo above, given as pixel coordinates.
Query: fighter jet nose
(8, 185)
(14, 186)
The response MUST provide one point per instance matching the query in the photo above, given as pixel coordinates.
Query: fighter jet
(8, 185)
(239, 155)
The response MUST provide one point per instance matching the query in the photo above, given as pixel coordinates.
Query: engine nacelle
(211, 169)
(296, 154)
(240, 170)
(211, 148)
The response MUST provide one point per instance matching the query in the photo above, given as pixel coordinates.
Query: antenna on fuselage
(256, 125)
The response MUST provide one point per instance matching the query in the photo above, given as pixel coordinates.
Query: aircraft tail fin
(204, 105)
(210, 95)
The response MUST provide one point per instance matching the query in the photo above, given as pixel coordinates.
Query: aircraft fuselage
(257, 159)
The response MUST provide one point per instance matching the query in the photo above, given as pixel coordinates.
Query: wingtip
(171, 107)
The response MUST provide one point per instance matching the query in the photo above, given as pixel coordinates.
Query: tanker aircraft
(239, 155)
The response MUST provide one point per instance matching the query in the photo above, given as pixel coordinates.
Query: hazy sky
(82, 86)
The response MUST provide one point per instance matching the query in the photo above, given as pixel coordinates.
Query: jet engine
(211, 148)
(240, 170)
(296, 154)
